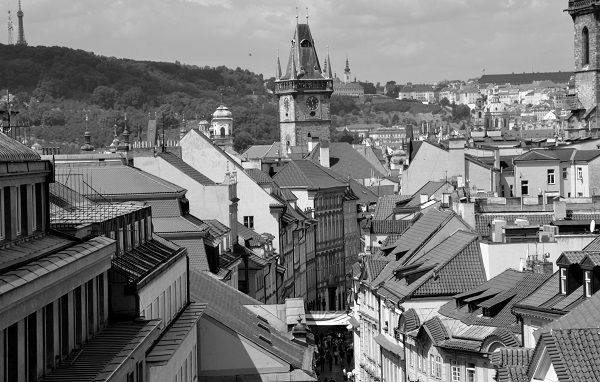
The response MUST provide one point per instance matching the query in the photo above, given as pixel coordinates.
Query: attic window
(306, 43)
(264, 327)
(487, 312)
(563, 280)
(587, 283)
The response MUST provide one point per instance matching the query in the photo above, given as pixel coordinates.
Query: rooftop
(14, 151)
(306, 174)
(185, 168)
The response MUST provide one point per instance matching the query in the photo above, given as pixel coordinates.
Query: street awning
(354, 322)
(389, 345)
(327, 318)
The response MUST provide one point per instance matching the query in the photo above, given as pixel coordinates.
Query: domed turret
(222, 112)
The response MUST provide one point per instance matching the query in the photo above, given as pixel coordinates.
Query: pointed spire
(278, 68)
(329, 76)
(325, 68)
(347, 66)
(306, 15)
(296, 15)
(293, 73)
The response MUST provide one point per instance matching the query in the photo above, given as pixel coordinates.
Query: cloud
(406, 41)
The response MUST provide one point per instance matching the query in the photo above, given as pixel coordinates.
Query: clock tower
(304, 92)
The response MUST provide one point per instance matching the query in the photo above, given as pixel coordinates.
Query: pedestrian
(336, 355)
(322, 362)
(330, 361)
(349, 357)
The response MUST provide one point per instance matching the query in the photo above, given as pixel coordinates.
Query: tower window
(305, 43)
(585, 46)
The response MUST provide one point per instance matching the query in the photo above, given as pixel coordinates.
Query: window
(524, 187)
(411, 358)
(130, 377)
(470, 369)
(33, 206)
(551, 176)
(579, 172)
(585, 46)
(249, 221)
(420, 362)
(563, 280)
(140, 371)
(565, 174)
(587, 284)
(19, 211)
(455, 371)
(511, 191)
(436, 366)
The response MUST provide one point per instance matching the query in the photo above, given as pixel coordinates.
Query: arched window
(479, 115)
(585, 46)
(222, 131)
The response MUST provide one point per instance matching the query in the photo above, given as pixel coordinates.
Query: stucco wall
(497, 257)
(212, 162)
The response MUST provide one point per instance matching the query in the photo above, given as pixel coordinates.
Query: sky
(418, 41)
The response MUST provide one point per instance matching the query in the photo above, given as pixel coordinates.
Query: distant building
(346, 86)
(525, 78)
(419, 92)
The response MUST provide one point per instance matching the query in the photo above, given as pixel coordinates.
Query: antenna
(10, 27)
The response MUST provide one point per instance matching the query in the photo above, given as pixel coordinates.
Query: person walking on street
(336, 355)
(330, 361)
(322, 361)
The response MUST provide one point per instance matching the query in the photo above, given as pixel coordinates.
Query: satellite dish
(592, 225)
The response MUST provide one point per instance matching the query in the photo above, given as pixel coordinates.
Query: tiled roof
(132, 182)
(21, 253)
(389, 226)
(185, 168)
(386, 205)
(139, 262)
(196, 253)
(226, 305)
(502, 291)
(288, 195)
(512, 364)
(347, 162)
(451, 267)
(259, 176)
(14, 151)
(594, 246)
(585, 315)
(165, 208)
(374, 268)
(436, 330)
(215, 227)
(574, 353)
(412, 320)
(536, 155)
(99, 357)
(173, 337)
(256, 151)
(429, 189)
(248, 235)
(177, 224)
(364, 194)
(305, 174)
(586, 155)
(547, 297)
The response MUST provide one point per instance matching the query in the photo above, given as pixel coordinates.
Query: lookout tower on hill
(21, 40)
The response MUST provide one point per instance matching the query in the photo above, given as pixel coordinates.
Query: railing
(581, 3)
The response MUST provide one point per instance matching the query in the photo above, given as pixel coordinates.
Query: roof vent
(262, 319)
(264, 327)
(265, 339)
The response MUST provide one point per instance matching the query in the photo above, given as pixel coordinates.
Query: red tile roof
(259, 176)
(347, 162)
(386, 205)
(196, 253)
(14, 151)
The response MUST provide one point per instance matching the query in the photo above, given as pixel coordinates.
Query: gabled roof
(429, 189)
(594, 246)
(536, 155)
(386, 205)
(573, 353)
(306, 174)
(165, 208)
(374, 268)
(196, 253)
(100, 182)
(14, 151)
(185, 168)
(548, 298)
(346, 161)
(146, 258)
(451, 267)
(512, 363)
(500, 293)
(248, 235)
(226, 305)
(259, 176)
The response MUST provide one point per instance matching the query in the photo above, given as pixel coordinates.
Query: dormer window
(563, 280)
(587, 283)
(305, 43)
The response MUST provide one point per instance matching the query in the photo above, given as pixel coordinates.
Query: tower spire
(293, 73)
(21, 40)
(278, 68)
(296, 15)
(10, 27)
(328, 64)
(306, 15)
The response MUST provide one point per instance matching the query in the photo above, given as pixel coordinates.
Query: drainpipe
(265, 282)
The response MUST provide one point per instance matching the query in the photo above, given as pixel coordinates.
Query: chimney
(560, 210)
(312, 142)
(324, 153)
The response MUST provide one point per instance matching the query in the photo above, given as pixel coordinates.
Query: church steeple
(304, 92)
(21, 40)
(328, 65)
(347, 75)
(278, 68)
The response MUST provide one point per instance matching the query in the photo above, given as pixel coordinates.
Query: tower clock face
(312, 103)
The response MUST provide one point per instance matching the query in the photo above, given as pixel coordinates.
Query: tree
(242, 141)
(53, 118)
(104, 97)
(444, 102)
(395, 120)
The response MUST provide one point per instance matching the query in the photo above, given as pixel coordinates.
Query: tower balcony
(577, 6)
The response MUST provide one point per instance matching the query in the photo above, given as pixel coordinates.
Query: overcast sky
(419, 41)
